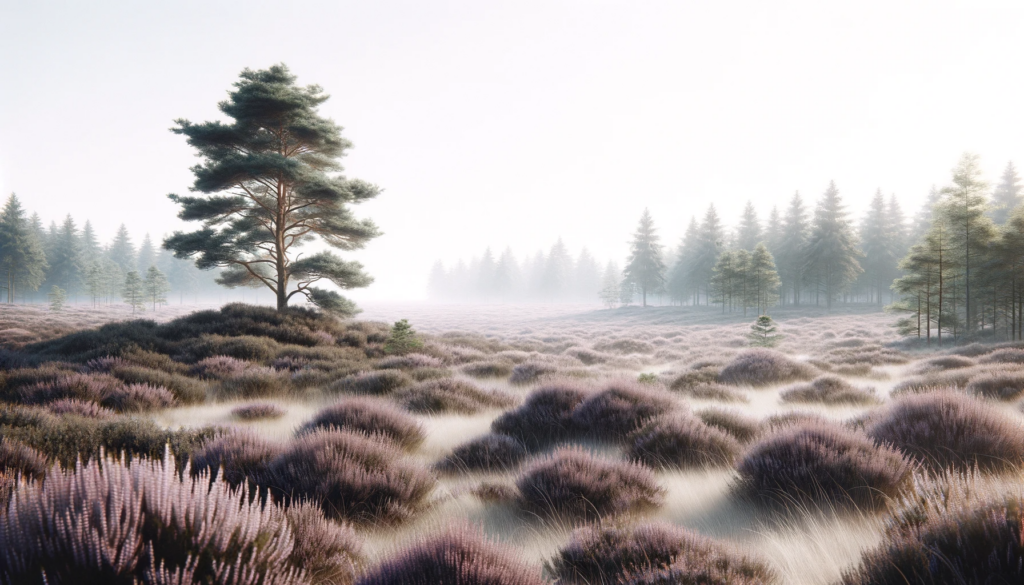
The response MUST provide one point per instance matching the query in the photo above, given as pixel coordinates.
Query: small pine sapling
(58, 298)
(402, 339)
(156, 286)
(133, 292)
(763, 332)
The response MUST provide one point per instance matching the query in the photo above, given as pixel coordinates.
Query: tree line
(66, 263)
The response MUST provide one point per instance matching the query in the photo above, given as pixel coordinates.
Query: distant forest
(956, 267)
(35, 259)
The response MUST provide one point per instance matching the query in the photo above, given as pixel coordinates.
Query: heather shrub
(423, 374)
(138, 398)
(22, 460)
(742, 428)
(1004, 356)
(243, 347)
(587, 356)
(236, 458)
(574, 485)
(943, 429)
(378, 382)
(257, 411)
(545, 417)
(492, 492)
(625, 346)
(762, 367)
(451, 395)
(529, 372)
(681, 441)
(947, 362)
(328, 552)
(409, 361)
(1004, 385)
(714, 391)
(829, 389)
(370, 418)
(106, 522)
(254, 383)
(92, 387)
(788, 419)
(219, 367)
(652, 553)
(352, 477)
(619, 409)
(815, 463)
(487, 453)
(488, 369)
(78, 407)
(695, 376)
(462, 555)
(185, 390)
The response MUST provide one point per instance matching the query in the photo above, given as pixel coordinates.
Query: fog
(514, 124)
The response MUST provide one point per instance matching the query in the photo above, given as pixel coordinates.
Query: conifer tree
(269, 183)
(90, 245)
(763, 332)
(121, 250)
(762, 279)
(402, 339)
(727, 280)
(133, 292)
(587, 279)
(712, 242)
(485, 275)
(58, 298)
(681, 283)
(156, 286)
(748, 234)
(645, 269)
(22, 261)
(557, 272)
(1007, 195)
(146, 256)
(66, 257)
(773, 231)
(507, 275)
(94, 282)
(922, 222)
(792, 248)
(610, 293)
(879, 253)
(831, 259)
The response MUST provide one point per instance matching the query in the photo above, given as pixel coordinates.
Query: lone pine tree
(645, 269)
(270, 183)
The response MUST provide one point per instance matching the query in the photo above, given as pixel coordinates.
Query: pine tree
(681, 284)
(898, 239)
(773, 233)
(587, 279)
(762, 279)
(727, 280)
(402, 339)
(66, 257)
(610, 293)
(748, 234)
(22, 261)
(156, 286)
(878, 251)
(94, 282)
(507, 276)
(964, 206)
(792, 248)
(121, 250)
(712, 242)
(485, 275)
(58, 298)
(133, 292)
(557, 272)
(645, 269)
(923, 219)
(763, 332)
(146, 256)
(265, 190)
(1007, 195)
(89, 245)
(831, 259)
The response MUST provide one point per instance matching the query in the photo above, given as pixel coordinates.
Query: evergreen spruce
(712, 243)
(22, 261)
(609, 293)
(645, 269)
(763, 332)
(65, 259)
(792, 248)
(133, 292)
(402, 339)
(147, 255)
(58, 298)
(121, 251)
(156, 286)
(831, 259)
(879, 254)
(681, 284)
(748, 234)
(1007, 195)
(762, 279)
(268, 185)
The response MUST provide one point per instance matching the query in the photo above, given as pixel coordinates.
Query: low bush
(78, 407)
(352, 477)
(681, 441)
(143, 523)
(940, 364)
(243, 347)
(451, 395)
(815, 463)
(21, 460)
(330, 553)
(1000, 385)
(377, 383)
(371, 418)
(694, 377)
(488, 369)
(1004, 356)
(620, 408)
(763, 367)
(742, 428)
(653, 553)
(487, 453)
(715, 391)
(546, 416)
(185, 390)
(530, 372)
(91, 387)
(943, 429)
(236, 458)
(460, 556)
(574, 485)
(625, 346)
(829, 389)
(220, 367)
(258, 411)
(409, 361)
(782, 420)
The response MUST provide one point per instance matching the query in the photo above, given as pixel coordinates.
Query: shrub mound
(762, 367)
(18, 459)
(943, 429)
(743, 428)
(78, 407)
(488, 369)
(653, 553)
(451, 395)
(102, 389)
(1001, 385)
(620, 408)
(544, 418)
(574, 485)
(1004, 356)
(829, 389)
(530, 372)
(237, 458)
(714, 391)
(258, 411)
(143, 523)
(682, 441)
(371, 418)
(330, 553)
(378, 382)
(947, 362)
(460, 556)
(818, 463)
(487, 453)
(352, 477)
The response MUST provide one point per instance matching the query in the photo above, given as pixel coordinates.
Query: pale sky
(514, 123)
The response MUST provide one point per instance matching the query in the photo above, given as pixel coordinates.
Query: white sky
(514, 123)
